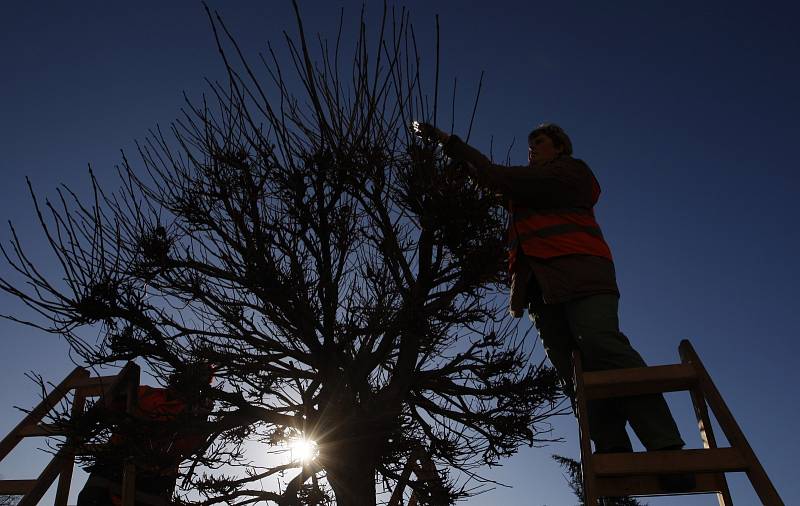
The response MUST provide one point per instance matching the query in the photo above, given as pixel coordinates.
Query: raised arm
(563, 182)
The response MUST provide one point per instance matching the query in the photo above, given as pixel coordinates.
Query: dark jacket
(562, 182)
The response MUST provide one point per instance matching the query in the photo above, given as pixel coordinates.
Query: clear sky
(686, 111)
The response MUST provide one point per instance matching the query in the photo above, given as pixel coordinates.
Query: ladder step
(94, 387)
(621, 486)
(16, 487)
(42, 429)
(714, 460)
(638, 381)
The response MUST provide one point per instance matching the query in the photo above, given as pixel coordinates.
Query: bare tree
(339, 271)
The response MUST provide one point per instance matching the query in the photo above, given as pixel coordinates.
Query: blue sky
(687, 114)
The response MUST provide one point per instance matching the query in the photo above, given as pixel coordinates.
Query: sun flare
(303, 450)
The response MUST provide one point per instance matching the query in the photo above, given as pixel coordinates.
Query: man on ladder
(562, 271)
(160, 435)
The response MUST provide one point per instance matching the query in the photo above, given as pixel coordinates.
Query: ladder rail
(707, 432)
(65, 477)
(581, 411)
(758, 477)
(405, 475)
(46, 478)
(420, 465)
(63, 462)
(36, 414)
(128, 378)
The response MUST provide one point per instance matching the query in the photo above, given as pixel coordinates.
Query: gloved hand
(429, 132)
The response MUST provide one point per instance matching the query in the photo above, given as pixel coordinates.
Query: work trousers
(591, 324)
(150, 490)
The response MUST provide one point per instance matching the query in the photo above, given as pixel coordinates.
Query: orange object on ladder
(63, 462)
(636, 474)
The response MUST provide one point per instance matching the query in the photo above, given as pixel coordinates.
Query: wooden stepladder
(636, 474)
(82, 386)
(423, 468)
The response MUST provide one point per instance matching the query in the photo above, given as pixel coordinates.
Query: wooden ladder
(423, 468)
(62, 464)
(636, 474)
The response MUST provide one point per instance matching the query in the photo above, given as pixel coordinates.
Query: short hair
(555, 133)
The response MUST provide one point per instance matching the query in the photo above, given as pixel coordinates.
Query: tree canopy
(340, 274)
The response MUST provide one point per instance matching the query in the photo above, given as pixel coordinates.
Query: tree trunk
(352, 477)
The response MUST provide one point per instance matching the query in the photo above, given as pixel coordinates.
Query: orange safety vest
(550, 233)
(160, 405)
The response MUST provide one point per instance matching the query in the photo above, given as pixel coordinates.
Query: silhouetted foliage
(337, 270)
